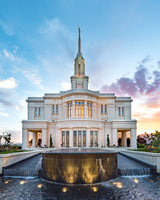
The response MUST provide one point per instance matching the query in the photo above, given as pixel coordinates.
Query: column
(124, 138)
(114, 136)
(94, 110)
(44, 137)
(133, 138)
(25, 136)
(88, 138)
(33, 140)
(74, 116)
(70, 138)
(85, 109)
(81, 138)
(58, 138)
(99, 137)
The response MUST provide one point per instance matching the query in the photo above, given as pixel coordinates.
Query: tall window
(55, 109)
(75, 138)
(103, 109)
(121, 111)
(37, 112)
(79, 106)
(70, 110)
(93, 138)
(65, 139)
(79, 69)
(84, 138)
(89, 110)
(79, 138)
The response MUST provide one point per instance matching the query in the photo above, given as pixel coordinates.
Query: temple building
(79, 117)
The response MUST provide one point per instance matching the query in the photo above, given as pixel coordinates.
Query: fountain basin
(79, 166)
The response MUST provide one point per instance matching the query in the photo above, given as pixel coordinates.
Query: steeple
(79, 54)
(79, 40)
(79, 80)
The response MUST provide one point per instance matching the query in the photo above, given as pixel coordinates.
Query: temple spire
(79, 80)
(79, 40)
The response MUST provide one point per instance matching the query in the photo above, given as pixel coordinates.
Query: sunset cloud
(143, 82)
(144, 88)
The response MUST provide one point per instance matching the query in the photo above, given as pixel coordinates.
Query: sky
(120, 44)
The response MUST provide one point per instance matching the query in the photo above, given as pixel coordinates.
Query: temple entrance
(35, 138)
(123, 138)
(79, 138)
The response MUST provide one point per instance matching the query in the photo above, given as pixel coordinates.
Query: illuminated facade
(79, 117)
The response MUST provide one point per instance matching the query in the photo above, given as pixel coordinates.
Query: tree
(155, 139)
(108, 140)
(50, 141)
(1, 136)
(7, 138)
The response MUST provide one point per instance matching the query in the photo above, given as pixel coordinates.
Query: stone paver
(121, 188)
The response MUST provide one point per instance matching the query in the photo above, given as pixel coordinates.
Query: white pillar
(88, 138)
(85, 109)
(99, 138)
(25, 137)
(94, 110)
(33, 139)
(114, 136)
(70, 138)
(44, 137)
(59, 138)
(65, 111)
(125, 138)
(133, 138)
(73, 111)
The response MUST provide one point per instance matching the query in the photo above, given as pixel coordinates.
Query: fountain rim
(79, 151)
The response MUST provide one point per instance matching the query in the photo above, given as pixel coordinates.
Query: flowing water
(22, 186)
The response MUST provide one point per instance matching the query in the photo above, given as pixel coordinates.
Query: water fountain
(79, 166)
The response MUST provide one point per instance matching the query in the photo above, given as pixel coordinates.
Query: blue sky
(120, 43)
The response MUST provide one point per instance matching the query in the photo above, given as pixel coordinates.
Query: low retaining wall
(146, 157)
(12, 158)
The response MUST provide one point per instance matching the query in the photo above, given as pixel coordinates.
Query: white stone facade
(79, 117)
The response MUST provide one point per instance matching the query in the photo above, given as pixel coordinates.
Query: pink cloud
(143, 82)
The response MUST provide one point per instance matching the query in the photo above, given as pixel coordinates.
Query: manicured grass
(14, 151)
(148, 149)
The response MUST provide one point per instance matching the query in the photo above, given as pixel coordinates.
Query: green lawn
(13, 151)
(146, 149)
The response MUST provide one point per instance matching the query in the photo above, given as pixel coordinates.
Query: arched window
(79, 109)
